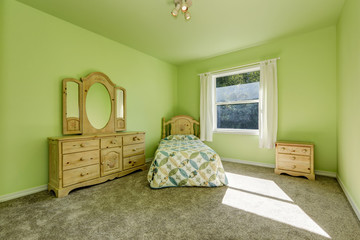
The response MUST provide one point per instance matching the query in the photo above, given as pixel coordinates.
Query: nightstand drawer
(294, 163)
(294, 150)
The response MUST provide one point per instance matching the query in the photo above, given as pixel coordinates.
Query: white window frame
(232, 130)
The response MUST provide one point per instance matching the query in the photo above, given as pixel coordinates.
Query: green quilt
(184, 160)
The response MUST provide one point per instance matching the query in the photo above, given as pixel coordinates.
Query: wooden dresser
(78, 161)
(296, 159)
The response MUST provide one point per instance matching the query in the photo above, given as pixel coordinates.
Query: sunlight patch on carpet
(265, 198)
(257, 185)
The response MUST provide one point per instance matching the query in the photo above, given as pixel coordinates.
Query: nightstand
(296, 159)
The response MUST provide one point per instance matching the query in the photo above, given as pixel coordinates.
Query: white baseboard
(22, 193)
(351, 201)
(325, 173)
(267, 165)
(272, 165)
(29, 191)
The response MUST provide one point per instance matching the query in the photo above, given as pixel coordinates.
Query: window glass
(237, 101)
(238, 116)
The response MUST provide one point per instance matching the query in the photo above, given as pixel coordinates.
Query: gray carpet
(257, 205)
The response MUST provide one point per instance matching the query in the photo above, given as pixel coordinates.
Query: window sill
(237, 131)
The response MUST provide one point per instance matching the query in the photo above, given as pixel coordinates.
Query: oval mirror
(98, 105)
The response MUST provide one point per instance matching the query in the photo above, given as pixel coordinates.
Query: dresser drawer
(294, 163)
(131, 162)
(111, 142)
(80, 146)
(133, 139)
(134, 149)
(75, 160)
(294, 150)
(81, 174)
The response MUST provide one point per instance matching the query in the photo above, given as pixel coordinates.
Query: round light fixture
(184, 7)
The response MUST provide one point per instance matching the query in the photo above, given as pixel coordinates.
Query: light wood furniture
(78, 161)
(81, 124)
(181, 124)
(93, 105)
(296, 159)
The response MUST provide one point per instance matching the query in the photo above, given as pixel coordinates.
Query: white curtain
(206, 107)
(268, 104)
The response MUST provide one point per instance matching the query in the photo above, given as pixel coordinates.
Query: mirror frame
(84, 126)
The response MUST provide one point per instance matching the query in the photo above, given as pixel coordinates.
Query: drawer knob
(136, 138)
(67, 162)
(113, 142)
(134, 149)
(82, 145)
(293, 150)
(294, 166)
(304, 151)
(129, 162)
(283, 148)
(83, 174)
(293, 158)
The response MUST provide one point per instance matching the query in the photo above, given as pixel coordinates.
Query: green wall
(307, 95)
(37, 52)
(348, 57)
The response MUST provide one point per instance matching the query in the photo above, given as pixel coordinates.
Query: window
(237, 101)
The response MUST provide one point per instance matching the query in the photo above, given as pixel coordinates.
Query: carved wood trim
(82, 125)
(181, 124)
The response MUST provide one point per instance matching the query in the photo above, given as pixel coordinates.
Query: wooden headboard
(184, 125)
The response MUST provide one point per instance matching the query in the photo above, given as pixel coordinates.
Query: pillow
(181, 137)
(175, 137)
(191, 137)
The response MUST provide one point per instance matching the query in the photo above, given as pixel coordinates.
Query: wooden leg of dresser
(143, 167)
(62, 193)
(310, 176)
(58, 192)
(51, 188)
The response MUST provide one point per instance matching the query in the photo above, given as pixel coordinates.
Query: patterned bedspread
(184, 160)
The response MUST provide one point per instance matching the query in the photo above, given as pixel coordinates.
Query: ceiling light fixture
(176, 9)
(184, 6)
(187, 16)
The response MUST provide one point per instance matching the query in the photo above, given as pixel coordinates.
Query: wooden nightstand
(296, 159)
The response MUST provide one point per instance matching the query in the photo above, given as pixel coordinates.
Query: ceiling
(216, 26)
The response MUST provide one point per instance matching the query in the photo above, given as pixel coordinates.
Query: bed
(182, 159)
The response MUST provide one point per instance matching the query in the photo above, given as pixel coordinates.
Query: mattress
(184, 160)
